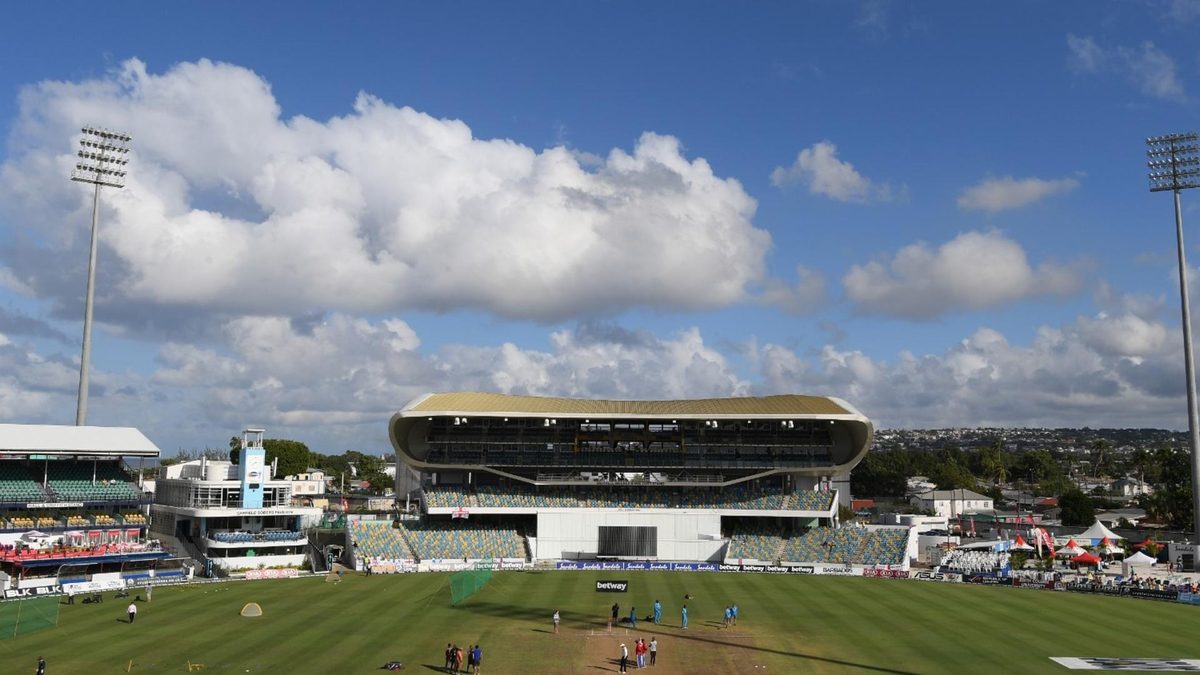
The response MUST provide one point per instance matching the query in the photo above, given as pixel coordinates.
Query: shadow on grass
(537, 613)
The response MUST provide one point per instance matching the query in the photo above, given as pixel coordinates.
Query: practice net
(466, 583)
(27, 616)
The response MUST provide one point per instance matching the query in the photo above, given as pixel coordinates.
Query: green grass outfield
(788, 624)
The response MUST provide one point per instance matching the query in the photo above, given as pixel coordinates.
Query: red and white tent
(1020, 545)
(1071, 549)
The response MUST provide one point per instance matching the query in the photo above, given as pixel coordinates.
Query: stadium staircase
(316, 559)
(780, 549)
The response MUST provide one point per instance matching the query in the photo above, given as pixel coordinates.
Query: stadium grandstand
(714, 480)
(72, 516)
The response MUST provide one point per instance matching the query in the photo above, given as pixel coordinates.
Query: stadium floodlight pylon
(102, 160)
(1174, 162)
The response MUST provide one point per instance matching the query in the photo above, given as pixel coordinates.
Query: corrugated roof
(484, 403)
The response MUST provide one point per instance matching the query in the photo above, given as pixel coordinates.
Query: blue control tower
(252, 468)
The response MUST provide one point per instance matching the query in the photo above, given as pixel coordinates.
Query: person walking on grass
(653, 650)
(41, 666)
(556, 619)
(733, 610)
(633, 617)
(478, 652)
(657, 612)
(684, 612)
(132, 609)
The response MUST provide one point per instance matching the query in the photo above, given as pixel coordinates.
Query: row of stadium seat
(425, 541)
(849, 545)
(245, 537)
(460, 539)
(30, 521)
(737, 497)
(65, 481)
(760, 541)
(379, 539)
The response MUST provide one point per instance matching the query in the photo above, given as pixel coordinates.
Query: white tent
(1097, 532)
(1135, 561)
(1140, 558)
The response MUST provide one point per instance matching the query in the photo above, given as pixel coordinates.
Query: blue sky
(938, 212)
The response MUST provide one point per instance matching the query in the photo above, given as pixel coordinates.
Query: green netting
(466, 583)
(27, 616)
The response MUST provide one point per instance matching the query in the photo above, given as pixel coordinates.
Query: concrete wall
(682, 535)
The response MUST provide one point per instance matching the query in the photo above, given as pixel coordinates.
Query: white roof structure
(50, 439)
(1097, 532)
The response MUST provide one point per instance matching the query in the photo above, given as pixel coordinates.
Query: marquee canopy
(1140, 558)
(1097, 532)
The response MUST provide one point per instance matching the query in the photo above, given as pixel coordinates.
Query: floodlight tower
(102, 160)
(1174, 162)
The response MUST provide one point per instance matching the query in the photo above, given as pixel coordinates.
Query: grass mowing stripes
(787, 624)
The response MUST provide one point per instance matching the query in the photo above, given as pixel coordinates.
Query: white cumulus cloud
(998, 194)
(234, 208)
(823, 173)
(973, 271)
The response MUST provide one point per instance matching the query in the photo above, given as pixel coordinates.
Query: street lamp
(1174, 162)
(102, 159)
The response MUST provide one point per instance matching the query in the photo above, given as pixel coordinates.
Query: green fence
(466, 583)
(27, 616)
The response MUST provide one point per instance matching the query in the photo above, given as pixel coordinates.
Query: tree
(1099, 454)
(235, 449)
(878, 476)
(293, 456)
(370, 468)
(1077, 508)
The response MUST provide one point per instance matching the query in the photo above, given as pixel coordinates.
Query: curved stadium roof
(479, 403)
